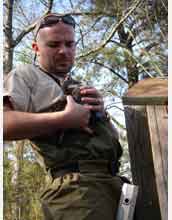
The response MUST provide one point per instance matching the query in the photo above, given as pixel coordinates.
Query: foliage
(21, 189)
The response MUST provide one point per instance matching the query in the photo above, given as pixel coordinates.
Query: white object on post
(127, 202)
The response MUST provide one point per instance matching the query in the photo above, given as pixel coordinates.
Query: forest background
(118, 43)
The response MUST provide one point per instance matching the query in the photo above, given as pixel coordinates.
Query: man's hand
(92, 98)
(76, 115)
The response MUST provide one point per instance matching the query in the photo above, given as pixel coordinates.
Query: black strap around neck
(51, 75)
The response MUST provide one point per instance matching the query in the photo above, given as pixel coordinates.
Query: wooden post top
(151, 91)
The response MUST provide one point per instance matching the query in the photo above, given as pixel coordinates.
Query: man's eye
(70, 44)
(52, 45)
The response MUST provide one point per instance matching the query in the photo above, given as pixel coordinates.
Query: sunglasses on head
(53, 19)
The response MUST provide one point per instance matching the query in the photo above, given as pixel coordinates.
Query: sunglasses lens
(68, 20)
(52, 20)
(48, 21)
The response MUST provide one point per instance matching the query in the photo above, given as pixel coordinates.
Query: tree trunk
(126, 39)
(16, 180)
(8, 44)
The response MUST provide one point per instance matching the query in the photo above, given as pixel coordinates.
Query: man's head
(55, 43)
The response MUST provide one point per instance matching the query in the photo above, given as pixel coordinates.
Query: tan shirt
(30, 89)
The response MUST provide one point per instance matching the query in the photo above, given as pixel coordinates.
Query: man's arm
(21, 125)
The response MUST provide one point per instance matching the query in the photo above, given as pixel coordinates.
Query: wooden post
(146, 117)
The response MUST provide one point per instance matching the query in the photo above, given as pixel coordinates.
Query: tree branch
(71, 4)
(112, 70)
(90, 13)
(88, 31)
(114, 29)
(31, 26)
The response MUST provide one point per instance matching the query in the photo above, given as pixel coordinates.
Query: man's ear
(35, 47)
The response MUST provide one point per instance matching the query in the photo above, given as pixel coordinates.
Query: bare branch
(25, 31)
(112, 106)
(166, 7)
(81, 38)
(90, 13)
(44, 3)
(114, 29)
(49, 6)
(88, 31)
(71, 4)
(24, 15)
(112, 70)
(30, 27)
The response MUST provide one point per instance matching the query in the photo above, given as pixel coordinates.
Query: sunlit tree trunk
(8, 42)
(16, 180)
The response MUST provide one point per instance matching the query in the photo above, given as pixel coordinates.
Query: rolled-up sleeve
(17, 91)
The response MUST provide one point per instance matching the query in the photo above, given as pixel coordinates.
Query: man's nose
(62, 49)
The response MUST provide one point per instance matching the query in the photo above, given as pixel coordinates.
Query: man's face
(55, 48)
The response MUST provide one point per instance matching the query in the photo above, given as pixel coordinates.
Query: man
(79, 156)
